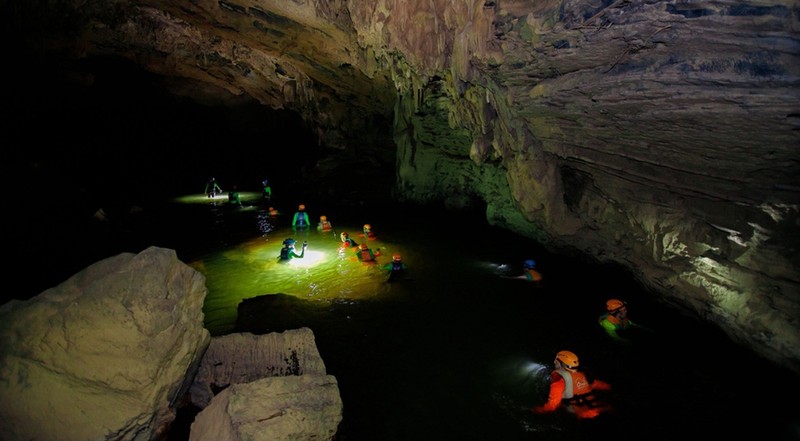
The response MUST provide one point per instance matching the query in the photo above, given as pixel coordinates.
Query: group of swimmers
(301, 221)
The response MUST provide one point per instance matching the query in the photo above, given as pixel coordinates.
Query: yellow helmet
(367, 226)
(323, 218)
(344, 235)
(568, 359)
(614, 304)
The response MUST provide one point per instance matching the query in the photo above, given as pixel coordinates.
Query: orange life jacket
(578, 396)
(614, 320)
(533, 275)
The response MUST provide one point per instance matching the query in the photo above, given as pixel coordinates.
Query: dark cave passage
(119, 140)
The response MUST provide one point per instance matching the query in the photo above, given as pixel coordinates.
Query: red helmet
(614, 304)
(397, 257)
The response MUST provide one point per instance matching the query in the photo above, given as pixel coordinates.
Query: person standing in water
(324, 225)
(233, 197)
(572, 390)
(347, 241)
(300, 219)
(397, 268)
(365, 254)
(615, 321)
(266, 190)
(288, 251)
(529, 272)
(212, 187)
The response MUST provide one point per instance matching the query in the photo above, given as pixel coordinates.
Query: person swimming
(288, 251)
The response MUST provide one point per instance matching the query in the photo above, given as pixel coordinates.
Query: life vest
(533, 275)
(578, 397)
(576, 384)
(365, 256)
(326, 226)
(301, 219)
(286, 253)
(618, 324)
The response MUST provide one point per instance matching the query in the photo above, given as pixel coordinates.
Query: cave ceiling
(662, 135)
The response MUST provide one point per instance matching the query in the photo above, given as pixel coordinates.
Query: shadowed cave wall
(658, 135)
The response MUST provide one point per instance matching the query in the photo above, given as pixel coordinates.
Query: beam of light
(222, 198)
(529, 368)
(309, 259)
(494, 268)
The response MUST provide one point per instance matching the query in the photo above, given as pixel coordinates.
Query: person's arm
(554, 397)
(600, 385)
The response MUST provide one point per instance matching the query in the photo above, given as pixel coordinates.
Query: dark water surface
(457, 352)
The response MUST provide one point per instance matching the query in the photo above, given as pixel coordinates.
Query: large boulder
(245, 357)
(104, 355)
(265, 387)
(293, 408)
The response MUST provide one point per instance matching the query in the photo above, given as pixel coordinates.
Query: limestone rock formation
(106, 354)
(291, 408)
(244, 357)
(659, 135)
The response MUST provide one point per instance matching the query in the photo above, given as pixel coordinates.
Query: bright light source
(532, 368)
(310, 258)
(222, 198)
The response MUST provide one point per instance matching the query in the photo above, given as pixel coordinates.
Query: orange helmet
(614, 304)
(301, 207)
(363, 246)
(397, 257)
(323, 218)
(568, 359)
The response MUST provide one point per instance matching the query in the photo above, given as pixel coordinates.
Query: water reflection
(327, 272)
(457, 352)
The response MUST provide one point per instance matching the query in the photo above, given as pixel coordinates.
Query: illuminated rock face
(105, 354)
(661, 136)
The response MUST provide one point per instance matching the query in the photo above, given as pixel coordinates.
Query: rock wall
(660, 135)
(657, 135)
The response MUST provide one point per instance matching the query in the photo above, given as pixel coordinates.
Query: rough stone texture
(244, 357)
(660, 135)
(293, 408)
(104, 355)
